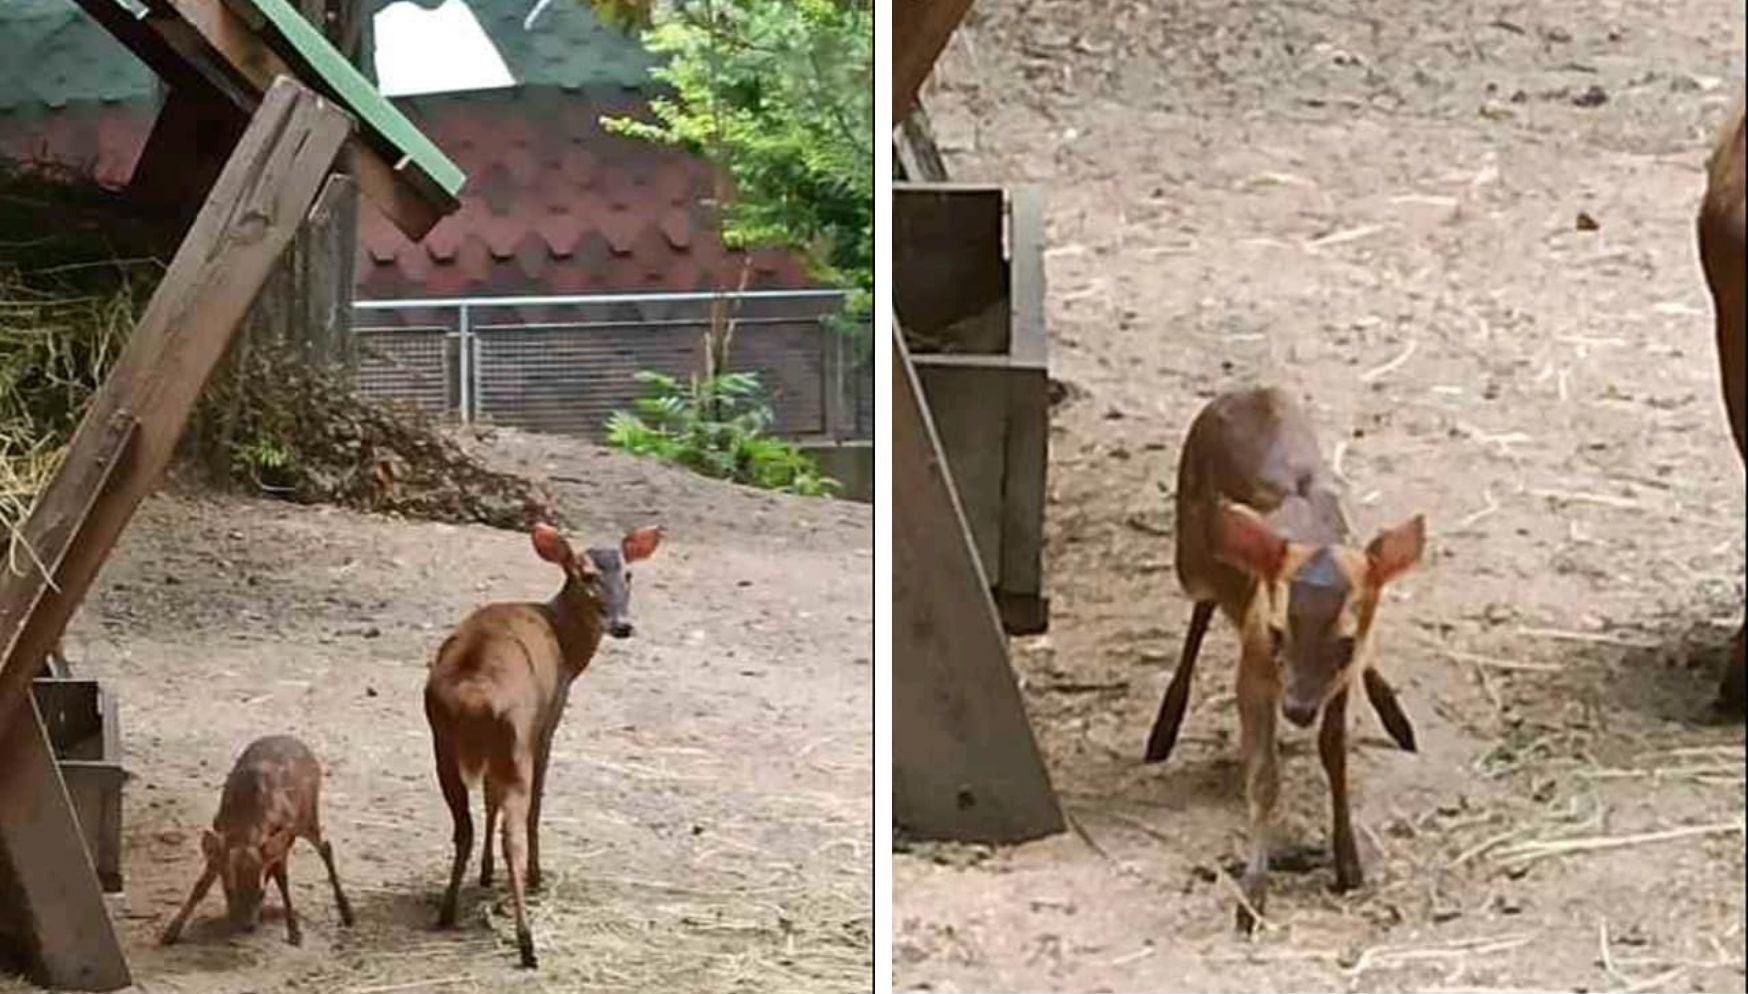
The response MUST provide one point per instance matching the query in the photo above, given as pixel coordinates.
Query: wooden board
(964, 763)
(255, 208)
(920, 29)
(67, 935)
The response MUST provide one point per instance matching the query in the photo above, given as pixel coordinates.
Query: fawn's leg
(327, 853)
(293, 934)
(1177, 694)
(173, 931)
(1258, 701)
(1332, 746)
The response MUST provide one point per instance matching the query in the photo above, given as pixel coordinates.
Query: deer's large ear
(551, 546)
(1243, 539)
(1395, 550)
(640, 543)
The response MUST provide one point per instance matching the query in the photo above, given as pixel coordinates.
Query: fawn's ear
(1243, 539)
(1395, 550)
(211, 845)
(640, 543)
(551, 546)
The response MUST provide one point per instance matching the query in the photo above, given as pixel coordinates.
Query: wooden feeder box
(968, 289)
(84, 733)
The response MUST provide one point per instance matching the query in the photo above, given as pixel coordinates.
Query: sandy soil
(707, 816)
(1383, 215)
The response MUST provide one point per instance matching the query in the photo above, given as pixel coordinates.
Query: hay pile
(75, 273)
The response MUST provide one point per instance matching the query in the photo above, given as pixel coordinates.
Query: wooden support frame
(205, 44)
(965, 765)
(123, 443)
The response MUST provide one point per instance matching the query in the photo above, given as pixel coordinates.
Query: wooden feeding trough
(85, 735)
(265, 126)
(968, 289)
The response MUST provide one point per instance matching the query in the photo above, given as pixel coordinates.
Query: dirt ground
(707, 822)
(1384, 216)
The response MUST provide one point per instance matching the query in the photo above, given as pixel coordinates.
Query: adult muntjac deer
(495, 694)
(1723, 228)
(1260, 534)
(271, 799)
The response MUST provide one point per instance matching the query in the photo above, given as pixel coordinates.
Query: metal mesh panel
(569, 379)
(789, 358)
(567, 373)
(413, 365)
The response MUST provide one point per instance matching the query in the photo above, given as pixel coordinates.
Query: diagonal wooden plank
(69, 940)
(920, 29)
(964, 763)
(252, 213)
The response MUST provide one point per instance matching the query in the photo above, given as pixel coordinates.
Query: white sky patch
(443, 50)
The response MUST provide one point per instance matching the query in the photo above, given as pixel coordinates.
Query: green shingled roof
(51, 54)
(566, 47)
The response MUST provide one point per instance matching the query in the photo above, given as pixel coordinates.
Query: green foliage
(716, 426)
(779, 94)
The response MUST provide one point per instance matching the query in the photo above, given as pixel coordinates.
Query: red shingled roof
(553, 203)
(556, 204)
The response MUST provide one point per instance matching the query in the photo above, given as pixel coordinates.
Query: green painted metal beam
(302, 43)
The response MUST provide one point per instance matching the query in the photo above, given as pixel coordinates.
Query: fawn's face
(1316, 602)
(601, 575)
(242, 871)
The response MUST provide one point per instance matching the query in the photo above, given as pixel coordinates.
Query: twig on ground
(1541, 848)
(1378, 373)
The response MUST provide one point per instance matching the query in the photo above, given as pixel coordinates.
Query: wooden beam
(209, 37)
(918, 156)
(69, 941)
(964, 763)
(920, 29)
(254, 210)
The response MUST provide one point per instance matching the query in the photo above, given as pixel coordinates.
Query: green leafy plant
(779, 95)
(717, 426)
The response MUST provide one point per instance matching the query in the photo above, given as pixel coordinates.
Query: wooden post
(123, 443)
(964, 763)
(64, 930)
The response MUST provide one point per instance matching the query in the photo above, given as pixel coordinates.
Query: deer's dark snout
(620, 629)
(1300, 714)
